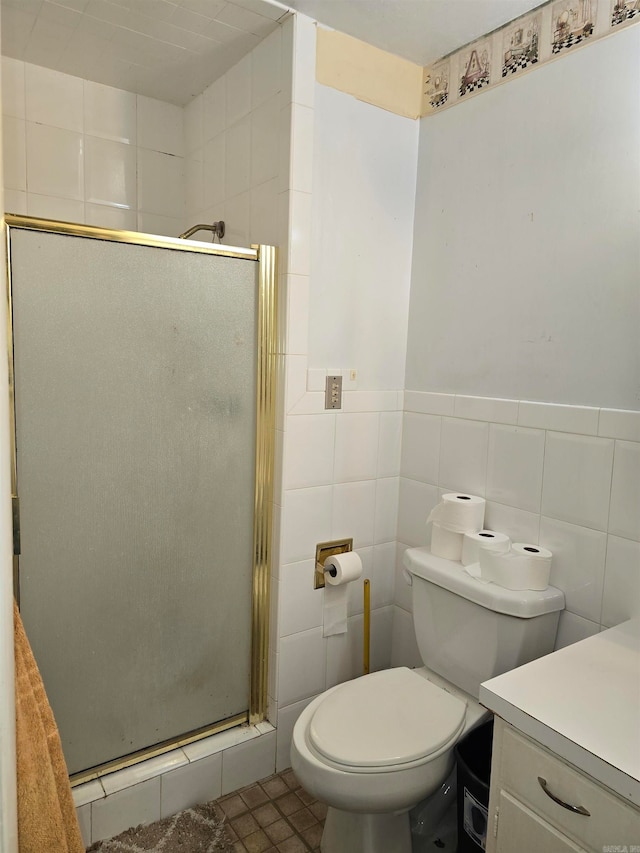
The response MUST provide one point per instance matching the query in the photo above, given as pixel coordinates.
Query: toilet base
(351, 832)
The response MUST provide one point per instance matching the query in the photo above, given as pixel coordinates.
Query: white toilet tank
(469, 631)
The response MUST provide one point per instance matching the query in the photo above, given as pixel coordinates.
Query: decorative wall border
(553, 29)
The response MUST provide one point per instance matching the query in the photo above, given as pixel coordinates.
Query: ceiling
(172, 49)
(418, 30)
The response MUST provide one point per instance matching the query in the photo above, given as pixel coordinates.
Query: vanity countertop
(583, 703)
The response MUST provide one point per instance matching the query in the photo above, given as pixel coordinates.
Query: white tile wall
(576, 493)
(83, 152)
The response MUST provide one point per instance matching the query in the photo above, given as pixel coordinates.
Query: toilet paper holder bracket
(324, 550)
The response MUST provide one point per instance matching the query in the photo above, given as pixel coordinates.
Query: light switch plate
(333, 392)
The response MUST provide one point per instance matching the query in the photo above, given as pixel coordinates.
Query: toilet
(374, 747)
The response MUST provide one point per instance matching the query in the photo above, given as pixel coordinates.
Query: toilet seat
(384, 721)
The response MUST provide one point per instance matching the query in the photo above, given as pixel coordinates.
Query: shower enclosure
(143, 385)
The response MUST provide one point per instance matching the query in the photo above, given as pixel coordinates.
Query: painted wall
(352, 219)
(527, 256)
(522, 361)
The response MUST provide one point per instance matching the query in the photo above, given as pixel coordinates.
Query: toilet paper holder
(324, 550)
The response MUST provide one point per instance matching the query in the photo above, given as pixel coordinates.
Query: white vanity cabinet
(575, 813)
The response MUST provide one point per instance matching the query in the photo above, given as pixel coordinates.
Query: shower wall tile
(193, 125)
(53, 98)
(238, 158)
(160, 126)
(238, 91)
(80, 143)
(163, 226)
(238, 219)
(194, 180)
(215, 109)
(214, 171)
(265, 129)
(109, 113)
(14, 153)
(160, 183)
(15, 201)
(13, 97)
(55, 162)
(50, 207)
(107, 216)
(110, 172)
(266, 71)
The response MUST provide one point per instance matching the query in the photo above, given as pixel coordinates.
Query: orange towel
(47, 821)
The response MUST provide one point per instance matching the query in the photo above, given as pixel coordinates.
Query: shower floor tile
(274, 815)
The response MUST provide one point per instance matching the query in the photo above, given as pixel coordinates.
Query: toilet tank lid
(450, 575)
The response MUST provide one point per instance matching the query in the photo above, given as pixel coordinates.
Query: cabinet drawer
(611, 821)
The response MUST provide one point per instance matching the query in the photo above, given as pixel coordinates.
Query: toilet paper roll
(522, 567)
(445, 543)
(459, 513)
(339, 570)
(491, 539)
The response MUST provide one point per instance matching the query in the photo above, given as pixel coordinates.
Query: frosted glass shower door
(135, 403)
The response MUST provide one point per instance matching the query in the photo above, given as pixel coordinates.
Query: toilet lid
(386, 718)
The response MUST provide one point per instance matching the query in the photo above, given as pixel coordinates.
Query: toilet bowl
(374, 747)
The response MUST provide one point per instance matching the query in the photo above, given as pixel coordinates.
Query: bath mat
(196, 830)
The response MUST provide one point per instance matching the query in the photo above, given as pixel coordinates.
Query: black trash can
(473, 757)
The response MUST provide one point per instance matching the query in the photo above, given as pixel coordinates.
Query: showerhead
(218, 229)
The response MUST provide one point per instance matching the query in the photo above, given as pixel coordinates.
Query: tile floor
(275, 815)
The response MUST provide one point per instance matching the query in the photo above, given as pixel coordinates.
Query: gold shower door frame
(266, 259)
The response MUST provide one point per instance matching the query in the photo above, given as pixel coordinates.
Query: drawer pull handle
(575, 809)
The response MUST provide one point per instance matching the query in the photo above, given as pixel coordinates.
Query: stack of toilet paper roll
(455, 515)
(521, 566)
